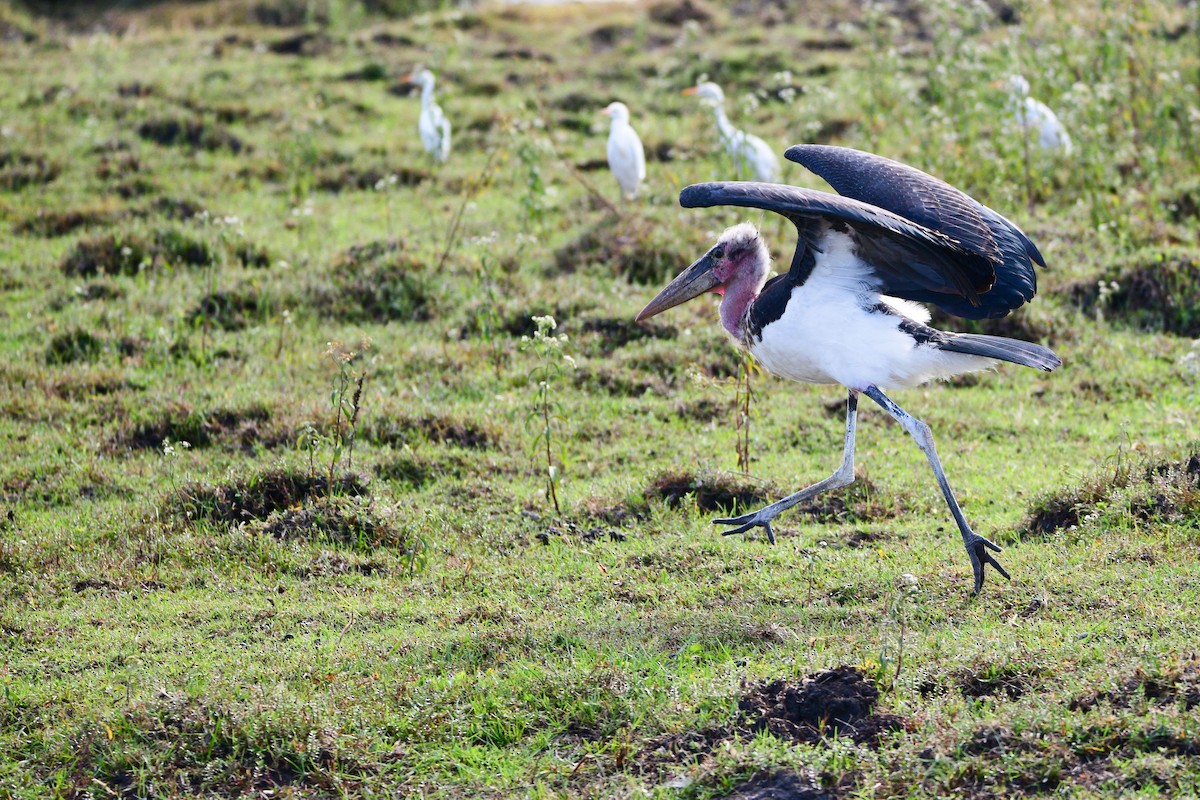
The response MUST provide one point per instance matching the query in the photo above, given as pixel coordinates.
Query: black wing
(937, 205)
(909, 259)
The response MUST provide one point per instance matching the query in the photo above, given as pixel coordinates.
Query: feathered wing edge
(935, 204)
(909, 259)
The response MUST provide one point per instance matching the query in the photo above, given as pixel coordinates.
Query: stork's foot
(755, 519)
(977, 549)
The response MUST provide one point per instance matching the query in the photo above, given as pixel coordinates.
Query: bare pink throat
(738, 296)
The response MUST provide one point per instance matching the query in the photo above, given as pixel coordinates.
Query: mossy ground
(361, 588)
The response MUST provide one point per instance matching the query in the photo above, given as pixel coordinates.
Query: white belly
(828, 337)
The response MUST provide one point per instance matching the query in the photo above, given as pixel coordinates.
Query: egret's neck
(426, 94)
(723, 124)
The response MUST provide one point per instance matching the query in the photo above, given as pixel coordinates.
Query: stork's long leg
(844, 476)
(977, 546)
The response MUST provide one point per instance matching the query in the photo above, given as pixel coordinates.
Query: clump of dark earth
(1170, 687)
(229, 310)
(783, 785)
(601, 336)
(129, 253)
(189, 132)
(399, 431)
(50, 223)
(710, 492)
(1005, 680)
(74, 346)
(376, 282)
(838, 701)
(1155, 290)
(19, 170)
(569, 530)
(639, 252)
(241, 427)
(260, 496)
(1163, 489)
(305, 43)
(677, 13)
(337, 178)
(347, 521)
(92, 383)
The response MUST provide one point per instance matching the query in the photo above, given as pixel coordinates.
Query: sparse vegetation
(196, 197)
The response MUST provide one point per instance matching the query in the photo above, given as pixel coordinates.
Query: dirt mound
(1156, 290)
(1163, 490)
(600, 336)
(193, 133)
(376, 282)
(779, 786)
(1178, 686)
(837, 701)
(240, 427)
(349, 521)
(677, 12)
(259, 496)
(129, 253)
(639, 251)
(710, 492)
(19, 170)
(399, 431)
(230, 310)
(51, 223)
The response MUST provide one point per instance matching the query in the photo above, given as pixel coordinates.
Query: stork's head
(735, 267)
(709, 92)
(618, 111)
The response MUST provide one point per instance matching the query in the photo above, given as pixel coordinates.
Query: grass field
(276, 517)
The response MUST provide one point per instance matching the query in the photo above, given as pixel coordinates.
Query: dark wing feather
(909, 259)
(937, 205)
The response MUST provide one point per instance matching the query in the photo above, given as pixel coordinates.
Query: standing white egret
(626, 158)
(432, 124)
(746, 149)
(1034, 116)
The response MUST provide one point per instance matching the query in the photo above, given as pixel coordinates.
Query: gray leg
(977, 546)
(844, 476)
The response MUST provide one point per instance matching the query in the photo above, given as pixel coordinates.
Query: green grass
(324, 594)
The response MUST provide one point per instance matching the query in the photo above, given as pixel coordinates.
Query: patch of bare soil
(89, 384)
(1164, 490)
(832, 703)
(243, 428)
(639, 251)
(350, 521)
(1177, 686)
(782, 785)
(51, 223)
(19, 170)
(259, 496)
(602, 336)
(677, 12)
(190, 132)
(1156, 290)
(130, 253)
(996, 680)
(376, 282)
(398, 431)
(618, 381)
(839, 701)
(337, 178)
(231, 310)
(709, 491)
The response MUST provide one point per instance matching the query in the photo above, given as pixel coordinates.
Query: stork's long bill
(692, 282)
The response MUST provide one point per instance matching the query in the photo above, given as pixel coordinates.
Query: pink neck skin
(738, 293)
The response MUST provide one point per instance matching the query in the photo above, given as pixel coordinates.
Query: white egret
(1034, 116)
(626, 158)
(432, 124)
(747, 150)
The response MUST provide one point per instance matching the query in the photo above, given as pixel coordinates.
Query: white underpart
(433, 125)
(826, 334)
(1036, 117)
(626, 158)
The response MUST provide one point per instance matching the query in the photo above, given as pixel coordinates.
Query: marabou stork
(847, 310)
(432, 125)
(746, 150)
(1035, 117)
(626, 158)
